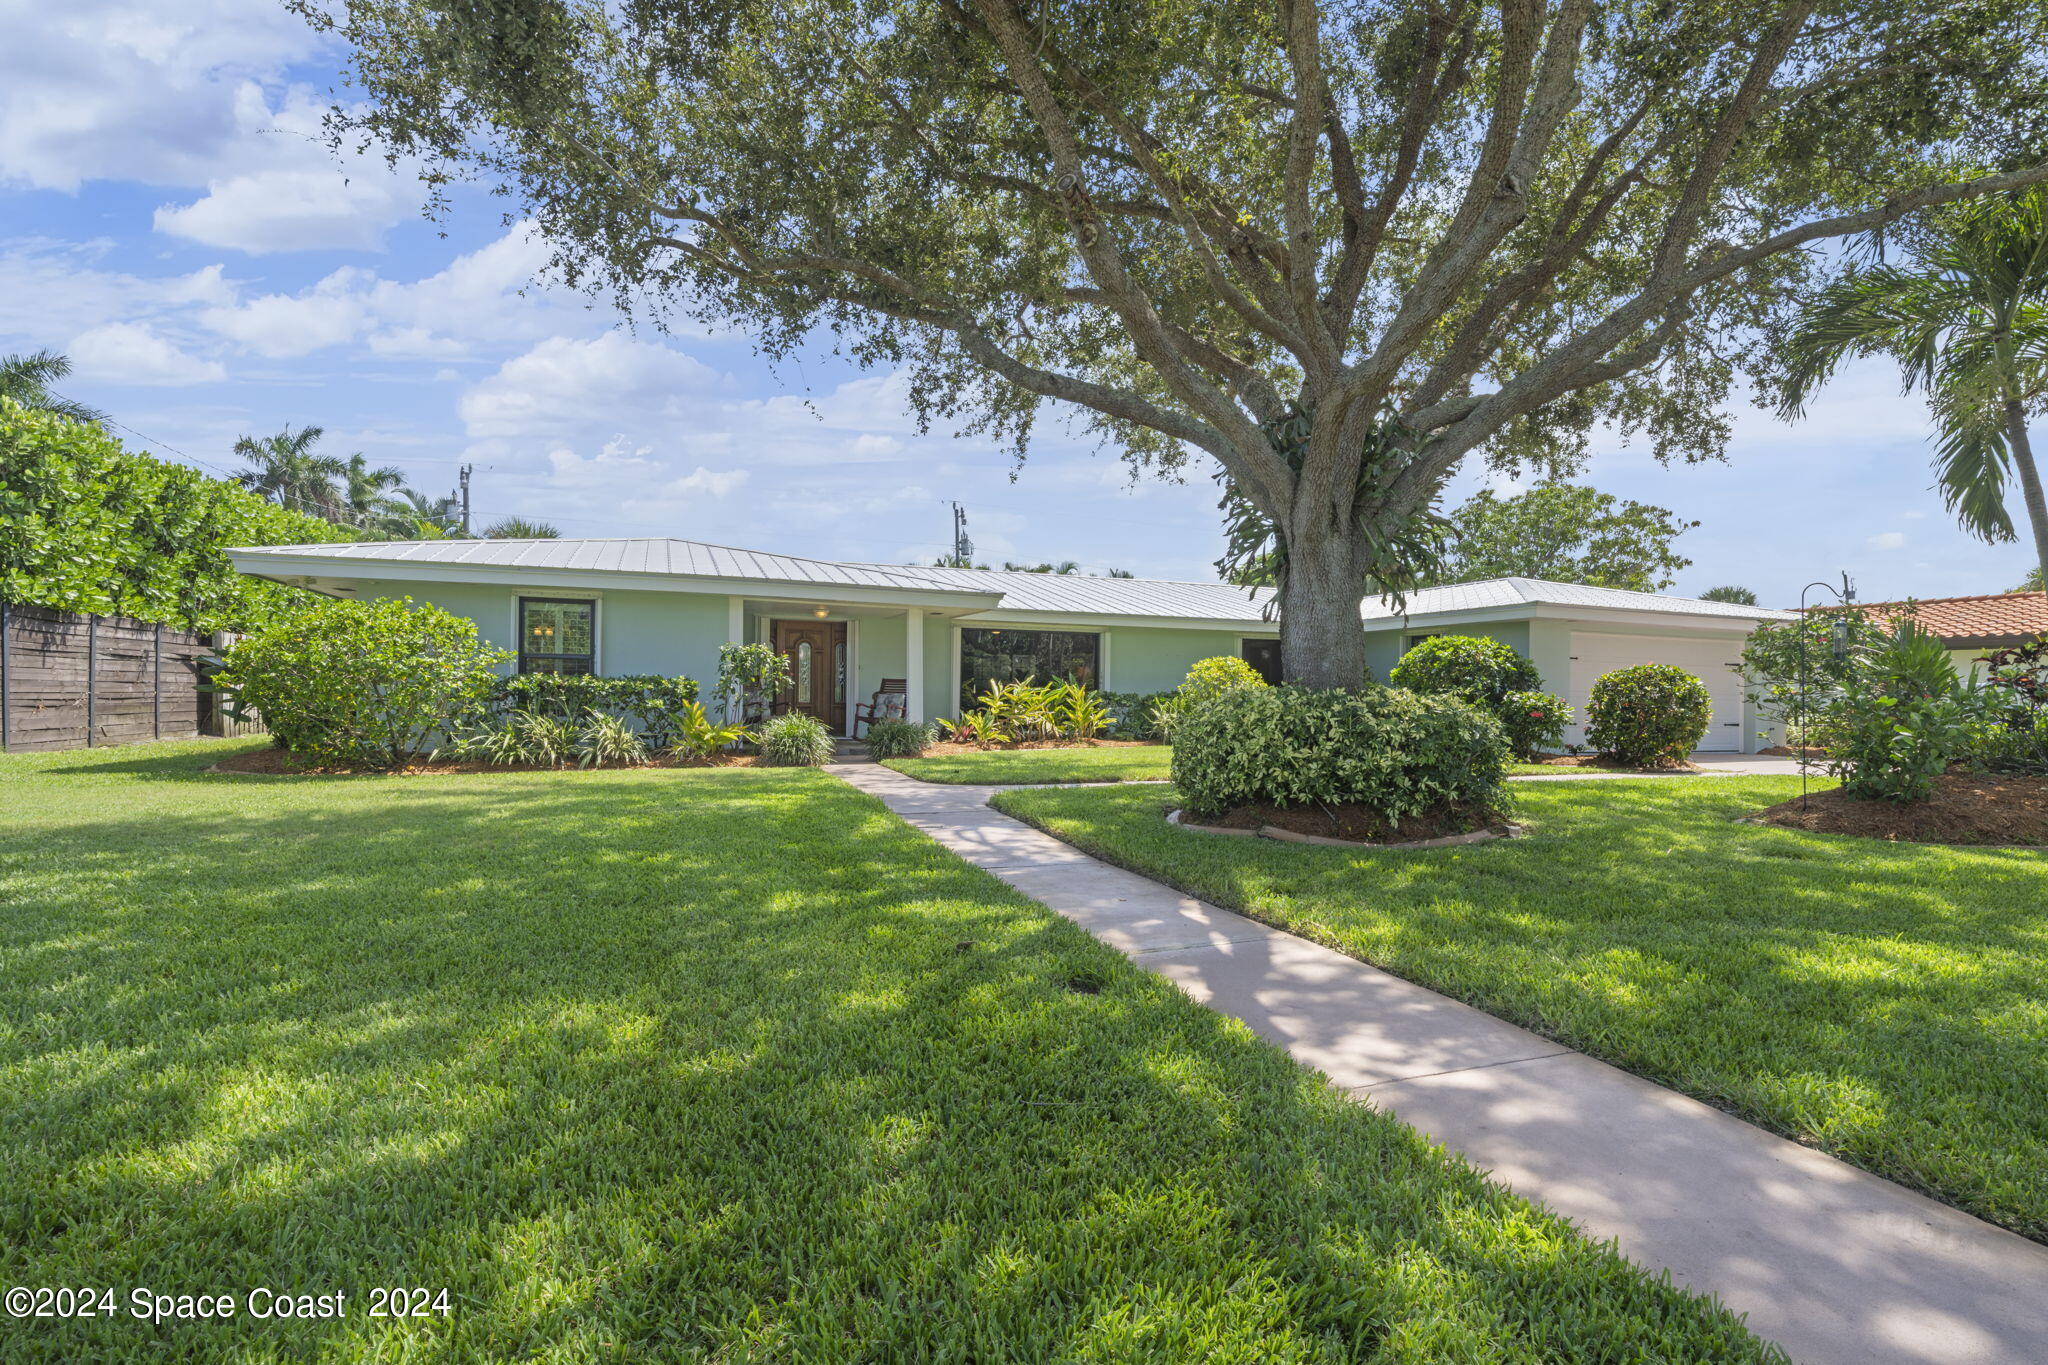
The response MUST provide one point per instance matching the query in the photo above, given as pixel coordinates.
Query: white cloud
(291, 210)
(277, 325)
(130, 353)
(715, 482)
(1887, 540)
(567, 386)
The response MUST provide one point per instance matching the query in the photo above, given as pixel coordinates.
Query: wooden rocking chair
(891, 701)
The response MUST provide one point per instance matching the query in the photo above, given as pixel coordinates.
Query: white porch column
(735, 634)
(913, 665)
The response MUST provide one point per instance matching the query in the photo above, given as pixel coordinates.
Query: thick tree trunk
(1322, 639)
(2030, 482)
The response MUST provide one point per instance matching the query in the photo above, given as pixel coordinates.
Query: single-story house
(1972, 627)
(666, 606)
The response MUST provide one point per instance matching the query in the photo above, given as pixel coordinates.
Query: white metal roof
(1052, 594)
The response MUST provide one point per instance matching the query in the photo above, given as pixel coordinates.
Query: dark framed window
(988, 656)
(557, 635)
(1263, 656)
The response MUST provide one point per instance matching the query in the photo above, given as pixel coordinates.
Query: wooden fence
(70, 682)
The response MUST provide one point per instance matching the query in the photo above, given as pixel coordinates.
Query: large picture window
(557, 635)
(988, 656)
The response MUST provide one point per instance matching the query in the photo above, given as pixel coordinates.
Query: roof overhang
(304, 568)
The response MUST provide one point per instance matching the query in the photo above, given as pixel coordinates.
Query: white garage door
(1708, 660)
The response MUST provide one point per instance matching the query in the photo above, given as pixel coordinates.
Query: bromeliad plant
(696, 735)
(978, 728)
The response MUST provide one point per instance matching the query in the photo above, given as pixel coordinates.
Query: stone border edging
(1477, 836)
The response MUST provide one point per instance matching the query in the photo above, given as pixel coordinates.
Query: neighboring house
(1972, 627)
(665, 606)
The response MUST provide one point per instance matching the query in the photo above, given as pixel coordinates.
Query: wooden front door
(816, 654)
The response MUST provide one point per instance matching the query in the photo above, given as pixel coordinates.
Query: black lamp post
(1838, 647)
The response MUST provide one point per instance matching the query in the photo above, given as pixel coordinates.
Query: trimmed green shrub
(368, 684)
(795, 740)
(1214, 676)
(1473, 668)
(2014, 737)
(1387, 749)
(898, 738)
(1133, 713)
(88, 526)
(648, 702)
(1648, 714)
(1890, 739)
(1534, 722)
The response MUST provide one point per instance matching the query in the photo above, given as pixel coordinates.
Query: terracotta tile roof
(1989, 621)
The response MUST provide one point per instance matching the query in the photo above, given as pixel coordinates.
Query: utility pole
(464, 494)
(963, 548)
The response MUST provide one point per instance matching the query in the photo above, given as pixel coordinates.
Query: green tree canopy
(1967, 320)
(1567, 533)
(520, 528)
(1336, 247)
(88, 526)
(1742, 597)
(26, 378)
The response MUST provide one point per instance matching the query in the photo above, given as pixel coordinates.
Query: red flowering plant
(1534, 721)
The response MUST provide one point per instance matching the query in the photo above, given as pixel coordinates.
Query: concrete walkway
(1829, 1261)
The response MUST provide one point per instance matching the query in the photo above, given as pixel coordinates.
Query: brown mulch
(1967, 809)
(1359, 823)
(1606, 763)
(1786, 751)
(946, 748)
(276, 762)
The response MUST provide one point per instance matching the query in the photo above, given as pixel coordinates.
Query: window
(988, 656)
(557, 635)
(1414, 640)
(1263, 656)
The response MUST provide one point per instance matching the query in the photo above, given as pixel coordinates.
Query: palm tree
(2032, 582)
(286, 469)
(1742, 597)
(425, 518)
(1968, 325)
(368, 491)
(519, 528)
(27, 379)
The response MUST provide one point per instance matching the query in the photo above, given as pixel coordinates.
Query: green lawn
(1041, 765)
(1884, 1002)
(718, 1065)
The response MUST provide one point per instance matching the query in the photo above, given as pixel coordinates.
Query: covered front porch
(843, 655)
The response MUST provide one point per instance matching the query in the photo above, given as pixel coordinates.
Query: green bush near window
(1396, 753)
(898, 738)
(648, 702)
(795, 740)
(367, 684)
(1133, 713)
(1534, 722)
(1648, 714)
(1473, 668)
(1213, 677)
(88, 526)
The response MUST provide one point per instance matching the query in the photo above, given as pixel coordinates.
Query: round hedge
(1648, 713)
(1475, 668)
(1396, 753)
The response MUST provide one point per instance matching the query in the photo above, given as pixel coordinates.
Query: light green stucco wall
(670, 633)
(1157, 658)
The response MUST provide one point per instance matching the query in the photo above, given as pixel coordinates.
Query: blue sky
(170, 218)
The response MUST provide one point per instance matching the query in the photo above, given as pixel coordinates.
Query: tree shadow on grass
(1880, 1001)
(736, 1066)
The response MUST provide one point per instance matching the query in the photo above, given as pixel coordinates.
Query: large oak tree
(1338, 247)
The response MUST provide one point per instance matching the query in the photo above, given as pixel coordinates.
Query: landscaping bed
(1605, 763)
(1967, 808)
(722, 1065)
(1880, 1001)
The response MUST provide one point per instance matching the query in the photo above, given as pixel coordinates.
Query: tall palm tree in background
(369, 492)
(26, 378)
(419, 517)
(519, 528)
(1968, 324)
(287, 469)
